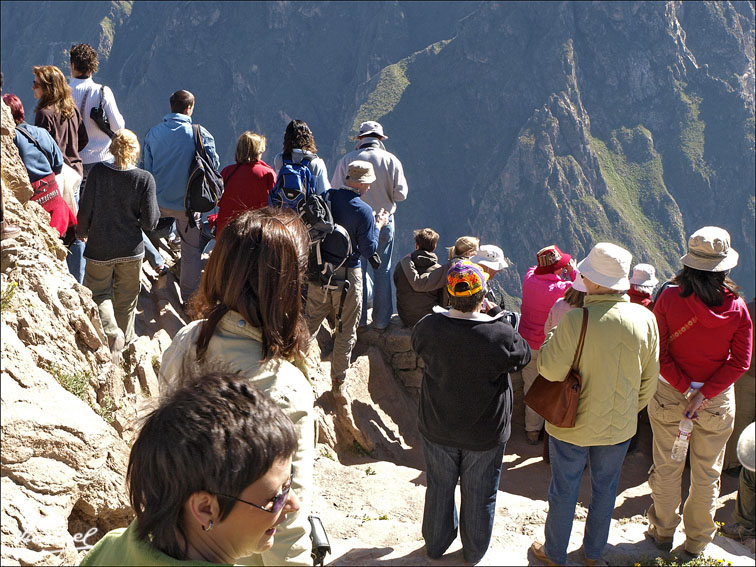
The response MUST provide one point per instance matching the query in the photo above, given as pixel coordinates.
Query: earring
(209, 526)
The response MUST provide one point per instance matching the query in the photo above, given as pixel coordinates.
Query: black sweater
(114, 208)
(466, 395)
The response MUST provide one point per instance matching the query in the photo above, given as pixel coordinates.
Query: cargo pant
(321, 303)
(533, 421)
(707, 446)
(115, 289)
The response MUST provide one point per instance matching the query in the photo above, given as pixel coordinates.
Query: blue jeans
(75, 260)
(151, 253)
(567, 464)
(479, 472)
(383, 297)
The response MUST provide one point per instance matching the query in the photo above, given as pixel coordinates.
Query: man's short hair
(216, 433)
(84, 58)
(426, 239)
(467, 303)
(181, 101)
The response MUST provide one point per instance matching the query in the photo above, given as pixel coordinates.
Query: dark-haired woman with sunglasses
(213, 510)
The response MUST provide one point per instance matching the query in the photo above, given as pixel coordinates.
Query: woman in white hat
(705, 345)
(642, 285)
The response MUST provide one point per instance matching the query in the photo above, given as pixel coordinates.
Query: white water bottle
(680, 448)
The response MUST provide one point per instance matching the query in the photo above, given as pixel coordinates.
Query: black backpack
(330, 247)
(205, 185)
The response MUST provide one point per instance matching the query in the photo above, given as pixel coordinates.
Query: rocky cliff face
(525, 123)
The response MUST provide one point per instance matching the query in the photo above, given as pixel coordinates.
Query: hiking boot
(8, 231)
(533, 437)
(117, 345)
(736, 531)
(592, 562)
(540, 553)
(662, 542)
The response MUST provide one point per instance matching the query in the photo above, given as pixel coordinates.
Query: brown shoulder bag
(557, 402)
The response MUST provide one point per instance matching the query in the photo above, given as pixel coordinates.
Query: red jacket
(641, 298)
(246, 187)
(714, 349)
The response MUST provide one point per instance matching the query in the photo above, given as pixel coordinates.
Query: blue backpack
(294, 184)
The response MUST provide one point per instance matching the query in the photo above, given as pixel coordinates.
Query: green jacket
(123, 547)
(237, 346)
(619, 367)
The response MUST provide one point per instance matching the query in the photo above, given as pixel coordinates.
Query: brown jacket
(69, 133)
(410, 304)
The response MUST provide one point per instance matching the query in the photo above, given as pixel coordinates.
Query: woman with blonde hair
(57, 113)
(252, 322)
(118, 203)
(248, 182)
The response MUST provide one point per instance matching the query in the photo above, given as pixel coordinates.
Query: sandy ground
(372, 505)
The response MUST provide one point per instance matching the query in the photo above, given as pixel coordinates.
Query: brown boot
(8, 231)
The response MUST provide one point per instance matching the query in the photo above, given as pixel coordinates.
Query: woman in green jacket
(619, 369)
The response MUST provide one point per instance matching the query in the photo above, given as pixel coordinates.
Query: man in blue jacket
(168, 152)
(356, 216)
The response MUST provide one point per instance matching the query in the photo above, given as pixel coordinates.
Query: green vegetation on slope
(633, 173)
(392, 82)
(692, 130)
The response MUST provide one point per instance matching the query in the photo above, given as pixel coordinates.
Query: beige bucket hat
(607, 264)
(709, 250)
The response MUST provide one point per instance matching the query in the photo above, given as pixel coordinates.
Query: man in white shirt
(389, 188)
(87, 95)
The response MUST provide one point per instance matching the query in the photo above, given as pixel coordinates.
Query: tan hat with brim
(709, 250)
(360, 171)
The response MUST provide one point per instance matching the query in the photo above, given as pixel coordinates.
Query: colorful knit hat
(465, 278)
(551, 259)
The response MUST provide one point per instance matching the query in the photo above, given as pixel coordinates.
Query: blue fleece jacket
(37, 165)
(356, 216)
(168, 151)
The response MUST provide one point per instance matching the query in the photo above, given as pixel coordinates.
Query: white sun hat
(608, 265)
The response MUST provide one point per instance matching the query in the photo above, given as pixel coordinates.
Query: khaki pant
(321, 303)
(707, 446)
(115, 290)
(533, 421)
(745, 410)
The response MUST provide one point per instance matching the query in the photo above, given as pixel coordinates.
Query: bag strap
(581, 341)
(198, 145)
(34, 141)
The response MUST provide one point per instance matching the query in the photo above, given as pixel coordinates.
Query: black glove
(375, 261)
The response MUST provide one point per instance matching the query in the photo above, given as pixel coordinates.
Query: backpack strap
(341, 301)
(198, 145)
(34, 141)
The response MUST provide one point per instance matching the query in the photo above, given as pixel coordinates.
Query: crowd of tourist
(222, 470)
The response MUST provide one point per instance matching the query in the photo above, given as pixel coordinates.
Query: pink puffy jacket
(539, 293)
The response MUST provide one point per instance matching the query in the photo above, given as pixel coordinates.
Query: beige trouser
(533, 421)
(115, 290)
(707, 446)
(745, 410)
(321, 302)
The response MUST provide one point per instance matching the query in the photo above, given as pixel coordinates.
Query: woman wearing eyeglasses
(210, 510)
(250, 301)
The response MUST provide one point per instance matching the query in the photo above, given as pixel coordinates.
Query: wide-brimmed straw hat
(709, 250)
(608, 265)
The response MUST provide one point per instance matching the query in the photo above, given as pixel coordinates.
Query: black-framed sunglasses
(275, 504)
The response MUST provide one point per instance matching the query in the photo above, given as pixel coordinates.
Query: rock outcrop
(68, 413)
